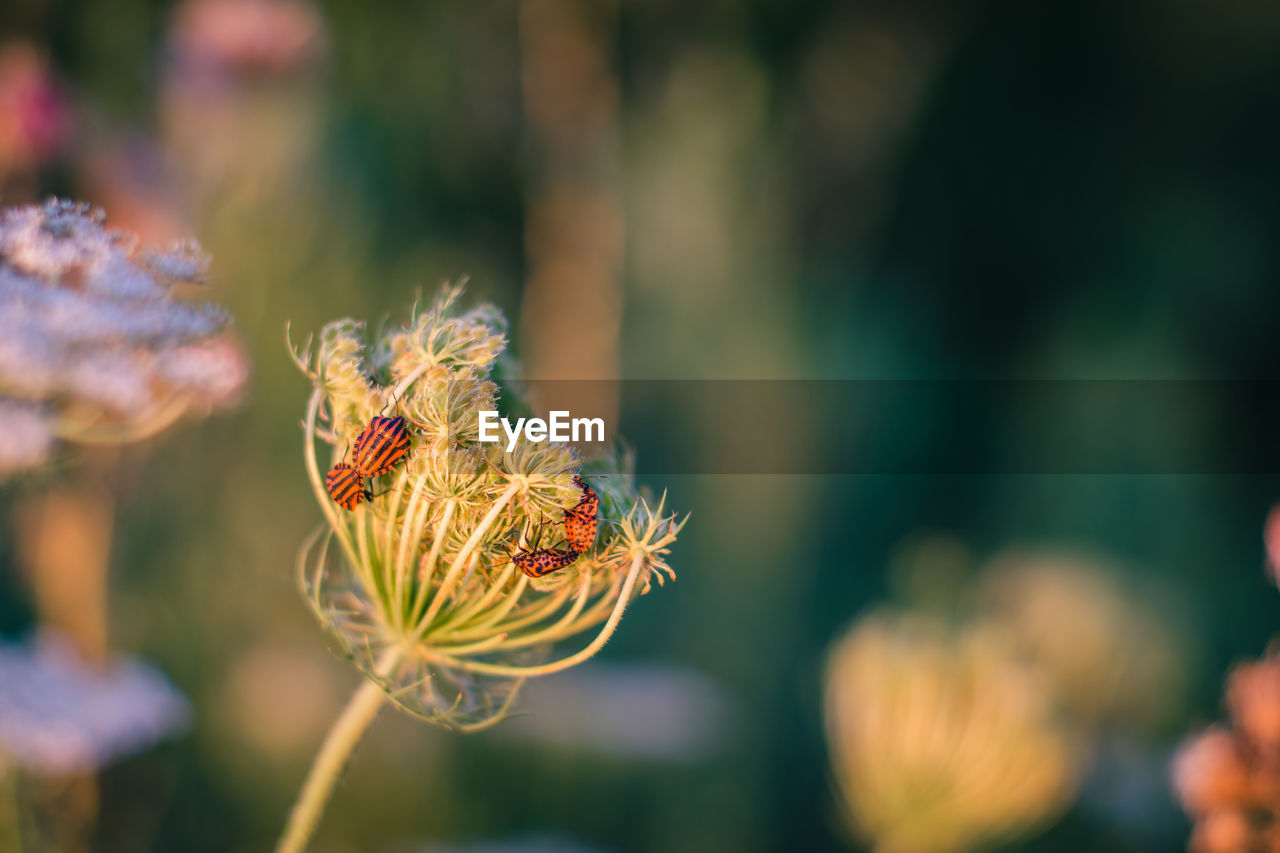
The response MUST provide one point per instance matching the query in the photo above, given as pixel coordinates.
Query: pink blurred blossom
(35, 116)
(246, 36)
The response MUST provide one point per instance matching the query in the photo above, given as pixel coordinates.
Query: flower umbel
(94, 346)
(418, 586)
(941, 739)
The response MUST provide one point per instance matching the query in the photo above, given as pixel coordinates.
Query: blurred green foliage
(869, 190)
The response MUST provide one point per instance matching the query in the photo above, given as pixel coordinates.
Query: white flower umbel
(94, 345)
(417, 586)
(61, 714)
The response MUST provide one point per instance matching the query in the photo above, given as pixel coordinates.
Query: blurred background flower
(1228, 777)
(63, 718)
(941, 740)
(1109, 653)
(35, 116)
(239, 108)
(94, 348)
(1098, 660)
(61, 714)
(100, 349)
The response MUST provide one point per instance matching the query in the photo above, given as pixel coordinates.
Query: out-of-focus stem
(10, 809)
(332, 758)
(574, 234)
(63, 542)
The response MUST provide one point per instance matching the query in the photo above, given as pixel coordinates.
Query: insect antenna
(390, 402)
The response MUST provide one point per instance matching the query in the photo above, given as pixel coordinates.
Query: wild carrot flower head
(94, 346)
(1108, 652)
(418, 585)
(942, 740)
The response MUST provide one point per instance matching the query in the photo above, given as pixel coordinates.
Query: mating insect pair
(580, 524)
(382, 444)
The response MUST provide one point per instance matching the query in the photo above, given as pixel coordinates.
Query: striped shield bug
(580, 522)
(539, 562)
(543, 561)
(378, 448)
(383, 443)
(345, 484)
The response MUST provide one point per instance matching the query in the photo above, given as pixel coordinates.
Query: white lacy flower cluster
(61, 714)
(95, 346)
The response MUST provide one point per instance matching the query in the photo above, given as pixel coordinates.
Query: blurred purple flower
(60, 714)
(28, 435)
(93, 344)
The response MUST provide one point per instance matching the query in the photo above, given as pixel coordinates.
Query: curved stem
(317, 482)
(410, 533)
(393, 511)
(486, 621)
(462, 614)
(555, 631)
(332, 758)
(637, 563)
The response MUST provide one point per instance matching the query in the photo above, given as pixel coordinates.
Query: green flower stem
(415, 519)
(317, 482)
(428, 568)
(473, 648)
(332, 758)
(464, 615)
(461, 560)
(393, 511)
(481, 623)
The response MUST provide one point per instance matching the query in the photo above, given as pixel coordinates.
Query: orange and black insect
(543, 561)
(381, 444)
(539, 562)
(345, 485)
(580, 522)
